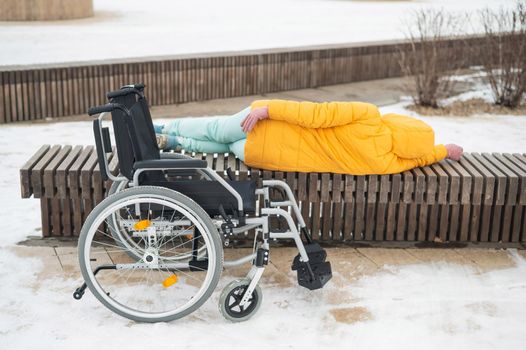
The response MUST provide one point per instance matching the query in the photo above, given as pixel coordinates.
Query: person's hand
(454, 152)
(253, 117)
(161, 141)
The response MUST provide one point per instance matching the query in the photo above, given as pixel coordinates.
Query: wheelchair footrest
(315, 273)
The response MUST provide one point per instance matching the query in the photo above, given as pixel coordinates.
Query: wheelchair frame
(313, 270)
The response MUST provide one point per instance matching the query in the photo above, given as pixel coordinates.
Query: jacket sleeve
(319, 115)
(402, 164)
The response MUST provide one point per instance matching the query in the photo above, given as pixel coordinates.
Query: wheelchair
(152, 250)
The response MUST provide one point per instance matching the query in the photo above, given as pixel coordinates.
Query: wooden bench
(482, 198)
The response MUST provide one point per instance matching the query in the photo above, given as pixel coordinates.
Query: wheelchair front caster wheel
(231, 297)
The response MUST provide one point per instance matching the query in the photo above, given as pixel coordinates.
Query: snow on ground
(135, 28)
(424, 306)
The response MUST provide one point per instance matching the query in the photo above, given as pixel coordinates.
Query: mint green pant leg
(211, 134)
(238, 148)
(193, 145)
(216, 129)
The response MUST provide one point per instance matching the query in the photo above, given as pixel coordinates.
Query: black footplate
(315, 273)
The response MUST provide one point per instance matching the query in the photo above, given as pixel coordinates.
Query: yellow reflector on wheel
(142, 225)
(169, 281)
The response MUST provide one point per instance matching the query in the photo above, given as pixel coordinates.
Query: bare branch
(430, 56)
(503, 52)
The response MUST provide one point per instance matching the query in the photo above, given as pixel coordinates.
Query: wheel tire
(227, 293)
(181, 200)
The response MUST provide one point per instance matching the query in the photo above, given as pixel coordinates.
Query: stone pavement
(348, 263)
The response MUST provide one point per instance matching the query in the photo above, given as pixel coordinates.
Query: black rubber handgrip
(125, 90)
(101, 109)
(139, 86)
(118, 93)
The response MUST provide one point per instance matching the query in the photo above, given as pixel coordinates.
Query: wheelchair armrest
(170, 164)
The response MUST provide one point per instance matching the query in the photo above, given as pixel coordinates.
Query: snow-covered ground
(421, 306)
(135, 28)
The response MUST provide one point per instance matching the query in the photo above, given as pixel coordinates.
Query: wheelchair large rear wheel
(156, 287)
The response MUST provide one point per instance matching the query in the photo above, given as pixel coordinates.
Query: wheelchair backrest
(134, 134)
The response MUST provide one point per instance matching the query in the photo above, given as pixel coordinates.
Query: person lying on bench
(338, 137)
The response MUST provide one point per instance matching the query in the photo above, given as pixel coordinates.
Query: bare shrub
(431, 54)
(503, 53)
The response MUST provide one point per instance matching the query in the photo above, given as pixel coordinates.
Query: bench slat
(499, 176)
(26, 187)
(489, 179)
(302, 186)
(518, 186)
(381, 209)
(38, 171)
(62, 172)
(487, 195)
(325, 190)
(359, 208)
(491, 214)
(337, 207)
(74, 172)
(392, 205)
(462, 209)
(348, 207)
(220, 164)
(86, 176)
(326, 221)
(510, 226)
(50, 183)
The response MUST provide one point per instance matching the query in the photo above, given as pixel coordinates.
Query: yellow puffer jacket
(338, 137)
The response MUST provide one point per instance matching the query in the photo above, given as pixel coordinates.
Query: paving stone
(348, 264)
(70, 263)
(438, 255)
(26, 251)
(488, 259)
(50, 263)
(385, 256)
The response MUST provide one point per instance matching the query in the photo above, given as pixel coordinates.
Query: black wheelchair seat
(211, 194)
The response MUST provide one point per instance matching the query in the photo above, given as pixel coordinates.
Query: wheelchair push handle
(109, 107)
(125, 90)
